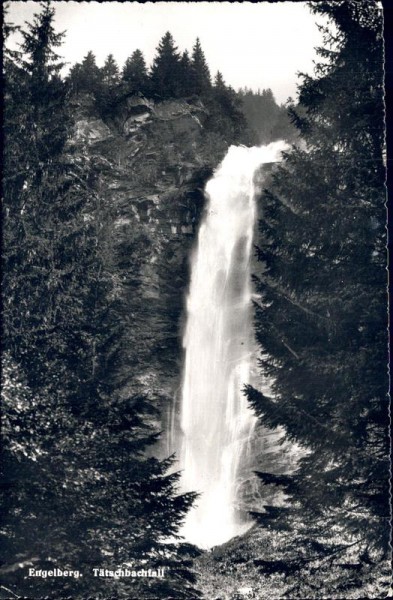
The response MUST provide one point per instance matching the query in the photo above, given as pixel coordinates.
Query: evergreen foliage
(172, 76)
(226, 116)
(78, 490)
(134, 73)
(186, 74)
(165, 71)
(107, 93)
(219, 82)
(322, 321)
(110, 71)
(84, 77)
(201, 82)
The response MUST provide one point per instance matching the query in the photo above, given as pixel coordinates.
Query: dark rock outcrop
(153, 160)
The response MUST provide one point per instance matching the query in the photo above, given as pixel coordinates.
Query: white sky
(253, 44)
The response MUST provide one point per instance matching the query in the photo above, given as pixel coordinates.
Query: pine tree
(219, 83)
(134, 73)
(110, 72)
(40, 193)
(39, 42)
(85, 76)
(42, 66)
(186, 75)
(321, 322)
(200, 70)
(164, 74)
(108, 89)
(226, 115)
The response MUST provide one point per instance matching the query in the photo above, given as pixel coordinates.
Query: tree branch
(279, 289)
(18, 565)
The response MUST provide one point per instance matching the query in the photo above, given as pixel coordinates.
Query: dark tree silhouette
(322, 320)
(165, 70)
(85, 76)
(200, 71)
(134, 73)
(77, 484)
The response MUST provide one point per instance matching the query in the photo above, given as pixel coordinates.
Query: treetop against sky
(258, 45)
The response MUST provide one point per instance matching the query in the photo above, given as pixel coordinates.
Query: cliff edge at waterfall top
(194, 374)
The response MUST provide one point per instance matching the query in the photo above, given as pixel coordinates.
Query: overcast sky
(253, 44)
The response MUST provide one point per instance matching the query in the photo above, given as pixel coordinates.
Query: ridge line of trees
(172, 76)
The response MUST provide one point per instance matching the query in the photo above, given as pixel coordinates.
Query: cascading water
(216, 422)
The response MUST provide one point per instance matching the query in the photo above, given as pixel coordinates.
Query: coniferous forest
(104, 171)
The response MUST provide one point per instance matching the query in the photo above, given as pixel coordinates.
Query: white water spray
(215, 420)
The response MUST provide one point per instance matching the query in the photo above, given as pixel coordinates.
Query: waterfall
(215, 420)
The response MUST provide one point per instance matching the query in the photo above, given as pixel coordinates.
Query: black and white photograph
(195, 383)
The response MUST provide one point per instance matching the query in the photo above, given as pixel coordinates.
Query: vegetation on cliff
(245, 116)
(172, 75)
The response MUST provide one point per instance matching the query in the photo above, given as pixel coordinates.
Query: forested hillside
(172, 75)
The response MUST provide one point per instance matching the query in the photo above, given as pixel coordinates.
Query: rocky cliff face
(153, 160)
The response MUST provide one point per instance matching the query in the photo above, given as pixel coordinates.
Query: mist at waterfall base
(216, 422)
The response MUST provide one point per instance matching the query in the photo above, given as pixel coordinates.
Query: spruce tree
(226, 115)
(41, 193)
(110, 72)
(186, 75)
(134, 73)
(321, 322)
(42, 65)
(265, 117)
(219, 83)
(108, 89)
(164, 74)
(200, 70)
(85, 76)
